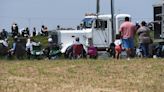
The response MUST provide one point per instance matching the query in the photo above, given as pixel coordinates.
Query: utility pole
(98, 8)
(112, 20)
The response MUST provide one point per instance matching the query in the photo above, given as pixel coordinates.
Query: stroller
(36, 51)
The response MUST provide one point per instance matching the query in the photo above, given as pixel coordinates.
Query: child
(118, 47)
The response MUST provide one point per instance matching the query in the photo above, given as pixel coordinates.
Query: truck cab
(92, 26)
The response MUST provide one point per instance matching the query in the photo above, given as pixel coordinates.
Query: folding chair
(78, 51)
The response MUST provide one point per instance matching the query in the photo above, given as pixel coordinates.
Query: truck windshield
(87, 22)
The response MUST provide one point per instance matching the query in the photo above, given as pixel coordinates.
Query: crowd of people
(125, 41)
(23, 44)
(20, 42)
(25, 32)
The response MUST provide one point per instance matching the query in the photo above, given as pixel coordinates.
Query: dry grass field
(136, 75)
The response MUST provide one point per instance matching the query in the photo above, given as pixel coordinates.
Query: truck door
(100, 33)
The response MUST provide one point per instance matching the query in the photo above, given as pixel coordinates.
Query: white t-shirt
(117, 42)
(28, 44)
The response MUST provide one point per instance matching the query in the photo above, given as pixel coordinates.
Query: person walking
(127, 31)
(144, 39)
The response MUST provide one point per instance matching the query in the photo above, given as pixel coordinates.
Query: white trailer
(159, 20)
(96, 27)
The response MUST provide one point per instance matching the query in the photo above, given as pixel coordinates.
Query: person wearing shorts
(127, 31)
(128, 43)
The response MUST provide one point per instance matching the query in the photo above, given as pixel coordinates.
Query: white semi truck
(96, 27)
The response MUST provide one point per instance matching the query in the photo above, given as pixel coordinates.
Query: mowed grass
(85, 75)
